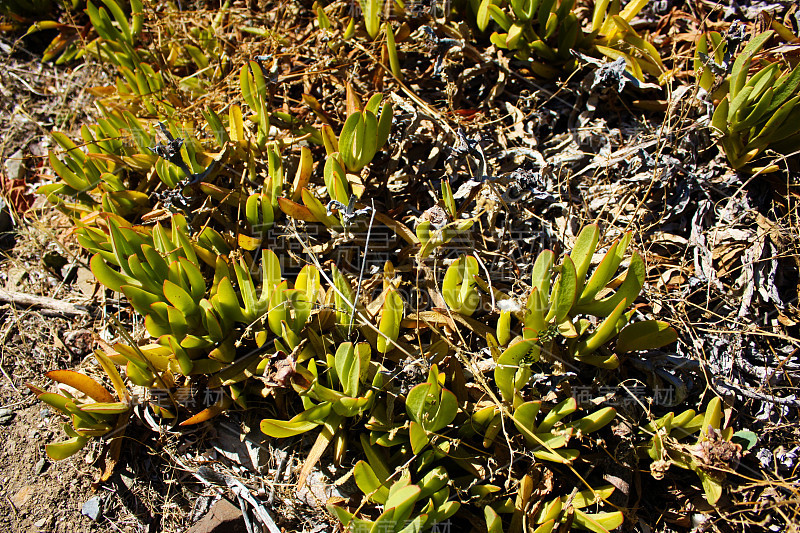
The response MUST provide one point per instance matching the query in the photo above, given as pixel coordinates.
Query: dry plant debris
(504, 265)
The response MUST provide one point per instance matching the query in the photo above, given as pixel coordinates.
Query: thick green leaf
(61, 450)
(281, 429)
(347, 368)
(247, 291)
(384, 124)
(523, 352)
(595, 421)
(369, 483)
(182, 300)
(140, 299)
(525, 420)
(558, 412)
(564, 291)
(606, 269)
(402, 502)
(375, 457)
(55, 401)
(712, 417)
(370, 143)
(785, 88)
(391, 317)
(343, 296)
(197, 283)
(494, 523)
(627, 292)
(746, 438)
(742, 63)
(431, 406)
(598, 522)
(184, 362)
(604, 332)
(112, 408)
(645, 335)
(108, 276)
(583, 250)
(278, 311)
(347, 141)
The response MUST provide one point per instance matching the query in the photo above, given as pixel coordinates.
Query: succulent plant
(364, 132)
(712, 455)
(349, 391)
(552, 513)
(371, 11)
(401, 500)
(559, 308)
(756, 112)
(415, 498)
(550, 31)
(94, 412)
(547, 439)
(459, 288)
(220, 311)
(391, 318)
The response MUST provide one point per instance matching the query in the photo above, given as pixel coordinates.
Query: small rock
(223, 517)
(16, 277)
(42, 523)
(22, 496)
(86, 282)
(80, 341)
(249, 454)
(6, 416)
(41, 466)
(15, 166)
(92, 508)
(127, 481)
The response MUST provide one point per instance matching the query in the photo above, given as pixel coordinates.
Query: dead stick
(46, 306)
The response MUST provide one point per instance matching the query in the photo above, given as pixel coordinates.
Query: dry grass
(721, 251)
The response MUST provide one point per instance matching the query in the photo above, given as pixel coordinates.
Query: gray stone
(6, 416)
(15, 166)
(92, 508)
(127, 481)
(41, 466)
(223, 517)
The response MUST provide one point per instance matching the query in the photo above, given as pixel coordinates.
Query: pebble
(223, 517)
(92, 508)
(15, 166)
(127, 481)
(6, 416)
(41, 466)
(22, 496)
